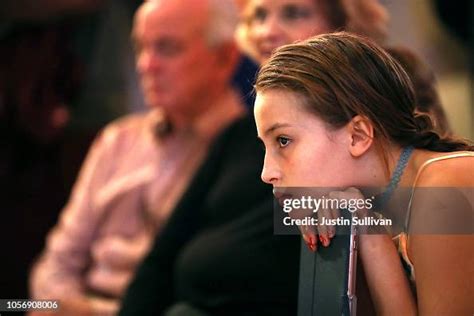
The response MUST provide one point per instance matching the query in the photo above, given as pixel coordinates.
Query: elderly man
(139, 166)
(217, 254)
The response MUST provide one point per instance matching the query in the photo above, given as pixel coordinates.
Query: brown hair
(341, 75)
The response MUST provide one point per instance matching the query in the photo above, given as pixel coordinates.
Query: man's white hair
(223, 20)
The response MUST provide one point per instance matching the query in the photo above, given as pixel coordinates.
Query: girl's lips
(266, 52)
(281, 196)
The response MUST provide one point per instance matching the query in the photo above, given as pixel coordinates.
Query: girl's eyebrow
(275, 127)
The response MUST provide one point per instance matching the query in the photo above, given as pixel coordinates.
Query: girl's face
(300, 149)
(273, 23)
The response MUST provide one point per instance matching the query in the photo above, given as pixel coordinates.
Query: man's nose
(146, 61)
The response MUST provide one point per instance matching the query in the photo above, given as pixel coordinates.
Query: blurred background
(440, 31)
(67, 69)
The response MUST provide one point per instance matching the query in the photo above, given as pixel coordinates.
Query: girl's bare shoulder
(447, 170)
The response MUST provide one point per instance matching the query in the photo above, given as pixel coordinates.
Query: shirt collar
(225, 110)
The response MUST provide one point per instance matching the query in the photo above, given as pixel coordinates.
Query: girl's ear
(361, 132)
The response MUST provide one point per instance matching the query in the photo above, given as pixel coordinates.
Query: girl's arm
(386, 279)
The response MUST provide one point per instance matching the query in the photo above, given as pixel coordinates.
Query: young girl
(337, 111)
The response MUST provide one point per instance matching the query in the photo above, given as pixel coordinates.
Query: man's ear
(228, 58)
(361, 132)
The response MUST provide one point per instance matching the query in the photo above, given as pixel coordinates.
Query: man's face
(175, 63)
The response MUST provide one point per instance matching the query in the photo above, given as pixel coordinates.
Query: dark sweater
(218, 255)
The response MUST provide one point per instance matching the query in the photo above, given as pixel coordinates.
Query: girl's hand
(327, 218)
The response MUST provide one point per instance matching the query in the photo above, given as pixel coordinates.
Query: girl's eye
(292, 12)
(283, 141)
(259, 15)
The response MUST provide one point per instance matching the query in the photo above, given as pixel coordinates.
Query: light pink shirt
(129, 183)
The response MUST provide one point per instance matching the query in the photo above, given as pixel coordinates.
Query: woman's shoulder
(445, 169)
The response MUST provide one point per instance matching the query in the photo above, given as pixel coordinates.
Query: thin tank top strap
(423, 166)
(445, 157)
(403, 237)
